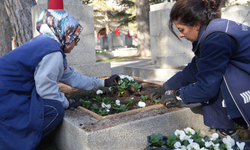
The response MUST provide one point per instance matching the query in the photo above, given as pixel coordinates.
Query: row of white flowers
(187, 133)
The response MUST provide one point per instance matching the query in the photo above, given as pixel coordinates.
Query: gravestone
(103, 42)
(166, 50)
(238, 13)
(127, 41)
(82, 58)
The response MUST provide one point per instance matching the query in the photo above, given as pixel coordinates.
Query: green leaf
(171, 136)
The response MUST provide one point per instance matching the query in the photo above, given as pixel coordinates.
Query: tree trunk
(19, 12)
(5, 28)
(143, 34)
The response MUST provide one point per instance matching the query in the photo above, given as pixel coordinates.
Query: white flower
(214, 136)
(122, 76)
(189, 131)
(110, 89)
(103, 105)
(190, 140)
(203, 148)
(216, 146)
(177, 144)
(181, 134)
(118, 102)
(228, 141)
(108, 110)
(208, 143)
(141, 104)
(193, 145)
(241, 145)
(99, 92)
(128, 77)
(182, 148)
(108, 106)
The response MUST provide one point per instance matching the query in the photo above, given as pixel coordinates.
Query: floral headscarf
(58, 25)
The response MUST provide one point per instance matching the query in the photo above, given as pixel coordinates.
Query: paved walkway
(117, 67)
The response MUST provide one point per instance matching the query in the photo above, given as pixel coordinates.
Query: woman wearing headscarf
(218, 76)
(31, 105)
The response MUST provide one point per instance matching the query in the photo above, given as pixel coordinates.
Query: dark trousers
(53, 115)
(216, 116)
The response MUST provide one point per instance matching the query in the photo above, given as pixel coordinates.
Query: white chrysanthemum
(141, 104)
(241, 145)
(99, 92)
(118, 102)
(214, 136)
(189, 131)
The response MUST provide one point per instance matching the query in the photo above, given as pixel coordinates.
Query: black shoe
(225, 132)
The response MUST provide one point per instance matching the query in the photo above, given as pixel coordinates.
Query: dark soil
(147, 88)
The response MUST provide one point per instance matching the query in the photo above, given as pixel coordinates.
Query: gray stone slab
(173, 61)
(237, 13)
(107, 55)
(162, 40)
(150, 73)
(114, 40)
(131, 135)
(100, 69)
(162, 6)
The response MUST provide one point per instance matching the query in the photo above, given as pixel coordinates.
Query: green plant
(95, 108)
(85, 104)
(98, 98)
(99, 110)
(156, 141)
(89, 95)
(125, 84)
(136, 85)
(106, 100)
(156, 101)
(119, 108)
(144, 98)
(103, 112)
(129, 101)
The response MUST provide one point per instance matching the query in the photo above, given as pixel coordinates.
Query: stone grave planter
(83, 129)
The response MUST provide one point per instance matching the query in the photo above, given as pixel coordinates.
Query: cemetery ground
(48, 144)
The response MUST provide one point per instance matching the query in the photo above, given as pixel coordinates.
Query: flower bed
(130, 95)
(189, 139)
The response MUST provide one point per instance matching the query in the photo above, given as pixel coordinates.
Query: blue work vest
(235, 86)
(21, 108)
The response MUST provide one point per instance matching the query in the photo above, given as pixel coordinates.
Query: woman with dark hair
(218, 76)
